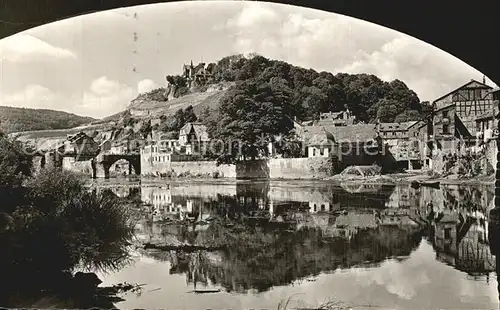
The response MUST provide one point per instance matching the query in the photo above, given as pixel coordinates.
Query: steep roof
(413, 123)
(354, 133)
(315, 135)
(472, 81)
(199, 129)
(396, 126)
(495, 90)
(350, 133)
(77, 137)
(321, 137)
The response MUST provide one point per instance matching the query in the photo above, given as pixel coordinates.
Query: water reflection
(278, 234)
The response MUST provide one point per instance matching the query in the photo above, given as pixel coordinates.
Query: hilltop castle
(198, 75)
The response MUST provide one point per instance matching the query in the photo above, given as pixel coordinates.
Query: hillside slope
(22, 119)
(199, 100)
(140, 110)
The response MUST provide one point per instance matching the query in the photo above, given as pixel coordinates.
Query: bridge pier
(102, 170)
(50, 160)
(38, 162)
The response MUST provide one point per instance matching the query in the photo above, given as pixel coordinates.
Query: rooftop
(350, 133)
(472, 82)
(199, 129)
(396, 126)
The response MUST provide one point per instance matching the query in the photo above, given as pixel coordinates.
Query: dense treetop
(312, 92)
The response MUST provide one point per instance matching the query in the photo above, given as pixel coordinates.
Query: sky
(95, 64)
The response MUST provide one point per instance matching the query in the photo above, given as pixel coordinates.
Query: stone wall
(258, 169)
(276, 168)
(300, 168)
(289, 168)
(203, 167)
(154, 167)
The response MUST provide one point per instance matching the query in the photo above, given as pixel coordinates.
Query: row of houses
(465, 119)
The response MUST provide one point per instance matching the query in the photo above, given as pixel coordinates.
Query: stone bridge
(96, 166)
(103, 162)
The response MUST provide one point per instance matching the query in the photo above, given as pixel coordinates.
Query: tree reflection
(271, 236)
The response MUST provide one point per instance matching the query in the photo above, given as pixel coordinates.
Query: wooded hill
(308, 92)
(22, 119)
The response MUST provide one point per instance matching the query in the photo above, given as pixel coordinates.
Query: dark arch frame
(449, 25)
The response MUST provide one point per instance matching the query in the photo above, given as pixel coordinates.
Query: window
(446, 129)
(471, 94)
(447, 233)
(464, 94)
(314, 152)
(445, 114)
(477, 94)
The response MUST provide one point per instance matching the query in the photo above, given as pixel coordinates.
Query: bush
(51, 189)
(99, 230)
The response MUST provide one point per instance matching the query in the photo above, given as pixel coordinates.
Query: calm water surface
(358, 246)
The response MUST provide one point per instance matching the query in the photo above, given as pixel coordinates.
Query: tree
(289, 145)
(408, 116)
(188, 115)
(52, 189)
(145, 128)
(175, 122)
(204, 114)
(387, 110)
(15, 164)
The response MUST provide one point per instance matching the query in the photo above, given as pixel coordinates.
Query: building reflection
(328, 226)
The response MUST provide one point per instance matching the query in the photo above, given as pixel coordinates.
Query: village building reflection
(454, 219)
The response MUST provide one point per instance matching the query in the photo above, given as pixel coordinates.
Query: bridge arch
(103, 164)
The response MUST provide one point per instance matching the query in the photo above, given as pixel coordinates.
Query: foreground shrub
(52, 189)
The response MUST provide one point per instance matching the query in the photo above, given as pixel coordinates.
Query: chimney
(484, 79)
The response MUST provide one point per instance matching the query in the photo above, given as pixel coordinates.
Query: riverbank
(398, 178)
(403, 178)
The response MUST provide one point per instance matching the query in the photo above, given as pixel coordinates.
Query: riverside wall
(203, 168)
(191, 168)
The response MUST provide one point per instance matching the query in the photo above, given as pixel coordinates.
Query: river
(311, 244)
